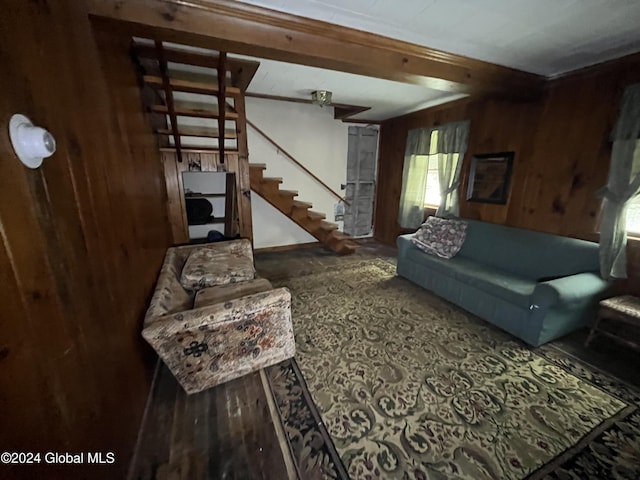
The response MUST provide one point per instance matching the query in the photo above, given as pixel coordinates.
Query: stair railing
(302, 167)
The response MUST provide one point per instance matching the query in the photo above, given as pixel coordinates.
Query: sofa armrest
(214, 316)
(580, 287)
(403, 242)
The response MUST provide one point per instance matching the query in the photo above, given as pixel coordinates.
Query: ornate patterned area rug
(390, 381)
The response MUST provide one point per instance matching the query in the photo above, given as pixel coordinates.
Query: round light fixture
(32, 144)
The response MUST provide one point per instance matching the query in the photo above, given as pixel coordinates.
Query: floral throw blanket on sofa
(441, 236)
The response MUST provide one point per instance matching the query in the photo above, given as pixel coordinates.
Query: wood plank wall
(561, 152)
(81, 242)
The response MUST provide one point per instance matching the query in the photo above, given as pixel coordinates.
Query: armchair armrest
(580, 287)
(210, 316)
(210, 345)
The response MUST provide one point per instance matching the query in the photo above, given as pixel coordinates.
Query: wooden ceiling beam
(278, 98)
(226, 25)
(340, 110)
(346, 111)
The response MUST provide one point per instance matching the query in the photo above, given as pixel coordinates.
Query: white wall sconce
(32, 144)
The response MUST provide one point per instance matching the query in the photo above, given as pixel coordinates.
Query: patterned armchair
(215, 334)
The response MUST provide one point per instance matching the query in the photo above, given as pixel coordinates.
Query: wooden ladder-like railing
(226, 93)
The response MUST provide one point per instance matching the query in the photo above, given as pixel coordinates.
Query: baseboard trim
(284, 248)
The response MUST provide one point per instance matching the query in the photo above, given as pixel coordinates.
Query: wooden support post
(222, 96)
(169, 98)
(240, 165)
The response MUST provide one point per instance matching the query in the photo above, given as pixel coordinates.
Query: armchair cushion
(224, 293)
(211, 266)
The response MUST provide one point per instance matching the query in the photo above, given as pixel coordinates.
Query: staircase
(196, 104)
(298, 211)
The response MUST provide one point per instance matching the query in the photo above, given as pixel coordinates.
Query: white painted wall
(312, 136)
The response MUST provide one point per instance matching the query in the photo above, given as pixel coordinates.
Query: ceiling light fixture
(321, 97)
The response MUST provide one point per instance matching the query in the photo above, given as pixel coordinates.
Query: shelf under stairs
(298, 211)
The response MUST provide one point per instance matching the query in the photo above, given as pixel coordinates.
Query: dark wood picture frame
(490, 178)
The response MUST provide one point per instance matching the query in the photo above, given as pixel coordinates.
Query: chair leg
(593, 330)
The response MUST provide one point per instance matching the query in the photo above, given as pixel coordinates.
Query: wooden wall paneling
(561, 150)
(175, 199)
(393, 137)
(209, 161)
(75, 252)
(42, 234)
(135, 128)
(229, 205)
(573, 154)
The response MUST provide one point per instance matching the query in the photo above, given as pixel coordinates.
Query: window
(633, 209)
(432, 195)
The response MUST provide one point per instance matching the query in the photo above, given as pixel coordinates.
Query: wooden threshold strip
(184, 111)
(198, 132)
(190, 87)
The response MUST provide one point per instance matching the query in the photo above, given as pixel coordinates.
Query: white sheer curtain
(623, 185)
(451, 146)
(414, 178)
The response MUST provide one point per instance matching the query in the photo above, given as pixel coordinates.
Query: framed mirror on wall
(490, 178)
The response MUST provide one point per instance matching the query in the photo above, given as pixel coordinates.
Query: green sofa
(534, 285)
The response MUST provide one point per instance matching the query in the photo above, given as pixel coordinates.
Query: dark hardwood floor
(228, 432)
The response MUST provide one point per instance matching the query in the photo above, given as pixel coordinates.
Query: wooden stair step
(198, 132)
(261, 166)
(348, 248)
(328, 226)
(289, 193)
(272, 180)
(189, 86)
(316, 215)
(301, 204)
(192, 110)
(340, 235)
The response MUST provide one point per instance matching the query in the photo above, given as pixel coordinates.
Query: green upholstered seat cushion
(508, 286)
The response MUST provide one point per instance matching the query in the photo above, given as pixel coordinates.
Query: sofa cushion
(535, 255)
(440, 236)
(505, 285)
(208, 267)
(231, 291)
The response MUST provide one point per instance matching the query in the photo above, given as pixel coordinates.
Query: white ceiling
(386, 98)
(547, 37)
